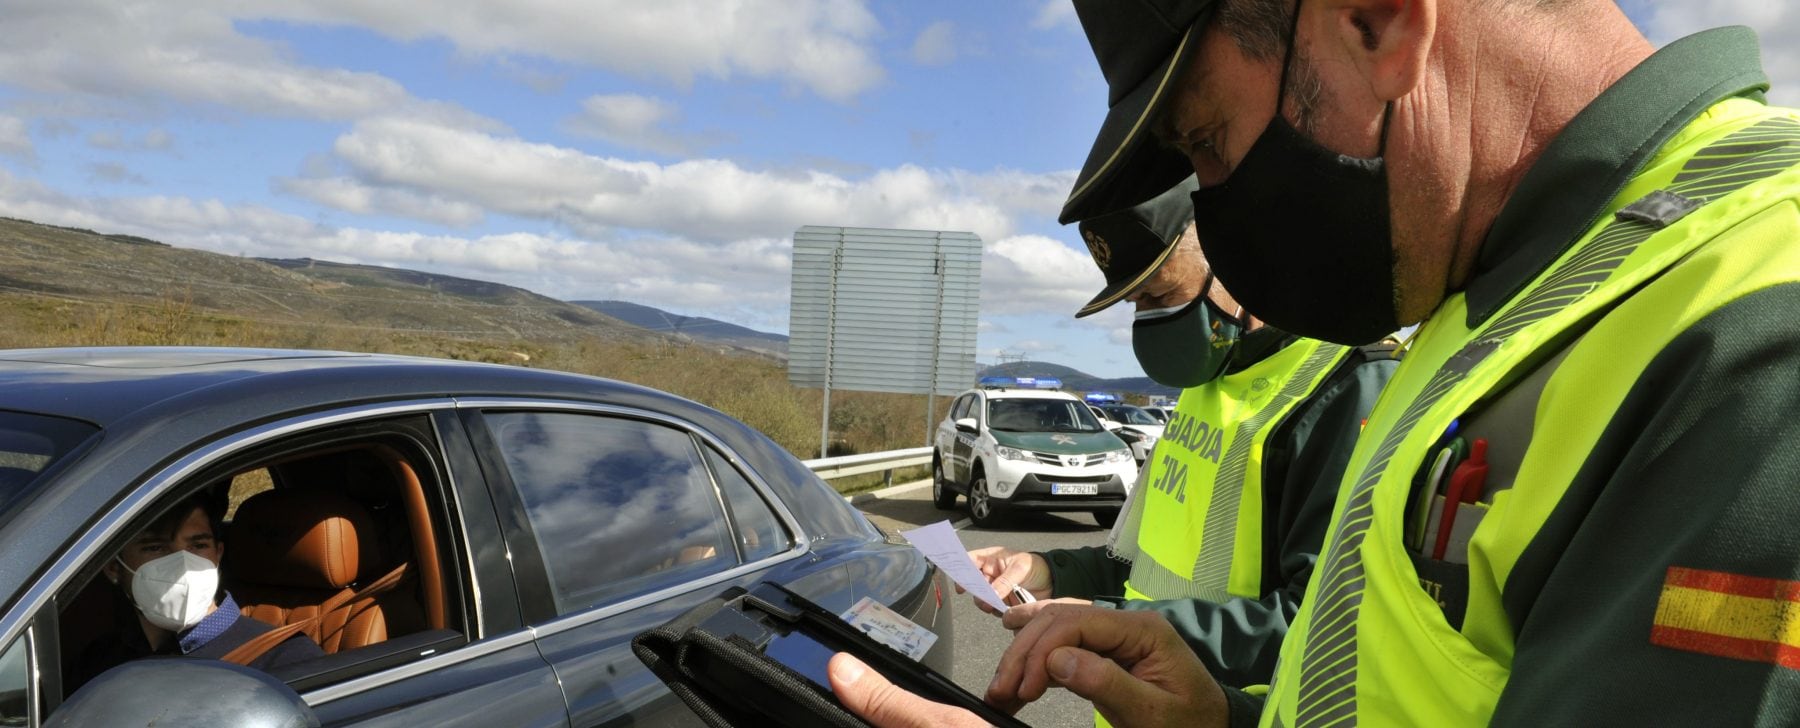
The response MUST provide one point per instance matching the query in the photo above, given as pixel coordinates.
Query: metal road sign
(881, 310)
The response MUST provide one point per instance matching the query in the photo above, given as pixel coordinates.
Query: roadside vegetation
(751, 388)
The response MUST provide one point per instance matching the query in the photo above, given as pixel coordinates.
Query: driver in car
(169, 575)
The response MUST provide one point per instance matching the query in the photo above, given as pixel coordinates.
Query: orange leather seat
(291, 552)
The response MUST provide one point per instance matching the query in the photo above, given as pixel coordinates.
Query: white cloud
(701, 199)
(352, 196)
(1035, 346)
(1033, 193)
(634, 121)
(15, 139)
(114, 173)
(748, 275)
(151, 140)
(936, 45)
(819, 45)
(1777, 25)
(1032, 274)
(120, 51)
(1053, 13)
(157, 139)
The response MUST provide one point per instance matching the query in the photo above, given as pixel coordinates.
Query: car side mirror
(1111, 425)
(966, 424)
(187, 692)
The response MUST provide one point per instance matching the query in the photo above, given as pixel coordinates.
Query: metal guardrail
(872, 462)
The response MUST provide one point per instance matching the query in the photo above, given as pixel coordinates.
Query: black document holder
(713, 658)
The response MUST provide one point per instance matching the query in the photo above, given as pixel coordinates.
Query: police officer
(1600, 239)
(1221, 531)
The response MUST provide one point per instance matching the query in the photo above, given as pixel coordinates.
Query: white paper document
(940, 544)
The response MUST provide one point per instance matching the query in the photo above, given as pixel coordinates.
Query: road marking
(962, 524)
(885, 493)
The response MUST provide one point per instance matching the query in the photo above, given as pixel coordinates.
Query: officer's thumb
(1112, 690)
(866, 693)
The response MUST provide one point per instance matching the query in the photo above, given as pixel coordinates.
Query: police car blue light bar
(1100, 397)
(1019, 382)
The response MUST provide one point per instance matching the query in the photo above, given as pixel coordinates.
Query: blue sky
(661, 153)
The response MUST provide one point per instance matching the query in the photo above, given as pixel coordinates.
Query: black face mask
(1301, 234)
(1187, 348)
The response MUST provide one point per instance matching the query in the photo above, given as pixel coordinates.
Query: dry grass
(751, 388)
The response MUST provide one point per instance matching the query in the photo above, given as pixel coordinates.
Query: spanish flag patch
(1729, 615)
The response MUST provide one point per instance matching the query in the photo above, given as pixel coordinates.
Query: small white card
(889, 628)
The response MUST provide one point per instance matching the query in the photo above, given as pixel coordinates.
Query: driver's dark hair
(169, 520)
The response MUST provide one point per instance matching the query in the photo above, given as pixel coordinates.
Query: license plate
(1074, 489)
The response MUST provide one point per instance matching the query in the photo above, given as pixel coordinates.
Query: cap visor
(1116, 292)
(1126, 166)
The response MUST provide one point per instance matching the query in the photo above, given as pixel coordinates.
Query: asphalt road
(979, 637)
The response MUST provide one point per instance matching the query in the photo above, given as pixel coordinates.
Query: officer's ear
(1387, 41)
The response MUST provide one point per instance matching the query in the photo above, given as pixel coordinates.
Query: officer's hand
(1132, 665)
(1020, 615)
(866, 693)
(1005, 568)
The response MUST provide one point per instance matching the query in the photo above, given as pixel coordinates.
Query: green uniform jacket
(1698, 466)
(1303, 463)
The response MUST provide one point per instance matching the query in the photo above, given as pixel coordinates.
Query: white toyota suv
(1017, 444)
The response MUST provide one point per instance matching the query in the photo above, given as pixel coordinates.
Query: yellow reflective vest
(1707, 221)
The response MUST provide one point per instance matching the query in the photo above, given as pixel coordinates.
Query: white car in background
(1016, 444)
(1138, 428)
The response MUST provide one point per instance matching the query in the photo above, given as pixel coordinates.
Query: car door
(951, 440)
(965, 441)
(480, 667)
(619, 521)
(500, 678)
(943, 438)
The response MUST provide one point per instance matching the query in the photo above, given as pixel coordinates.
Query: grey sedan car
(503, 531)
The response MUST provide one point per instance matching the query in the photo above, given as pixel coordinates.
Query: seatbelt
(259, 645)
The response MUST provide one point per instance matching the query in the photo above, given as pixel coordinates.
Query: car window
(387, 579)
(244, 485)
(759, 534)
(618, 506)
(1040, 415)
(15, 690)
(29, 444)
(1131, 415)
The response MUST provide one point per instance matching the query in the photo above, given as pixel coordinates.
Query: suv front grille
(1049, 459)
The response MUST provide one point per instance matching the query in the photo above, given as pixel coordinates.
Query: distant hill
(1077, 380)
(692, 327)
(51, 262)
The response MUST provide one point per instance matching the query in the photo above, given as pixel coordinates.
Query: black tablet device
(758, 657)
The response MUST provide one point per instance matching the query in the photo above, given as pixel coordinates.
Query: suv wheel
(982, 509)
(941, 495)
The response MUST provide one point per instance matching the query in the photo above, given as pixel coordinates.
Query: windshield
(1131, 415)
(30, 444)
(1040, 415)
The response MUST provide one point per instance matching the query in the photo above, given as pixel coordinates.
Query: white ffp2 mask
(174, 591)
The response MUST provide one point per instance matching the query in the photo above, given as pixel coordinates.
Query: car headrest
(308, 538)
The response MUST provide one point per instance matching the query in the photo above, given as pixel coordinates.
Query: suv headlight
(1119, 456)
(1130, 436)
(1012, 453)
